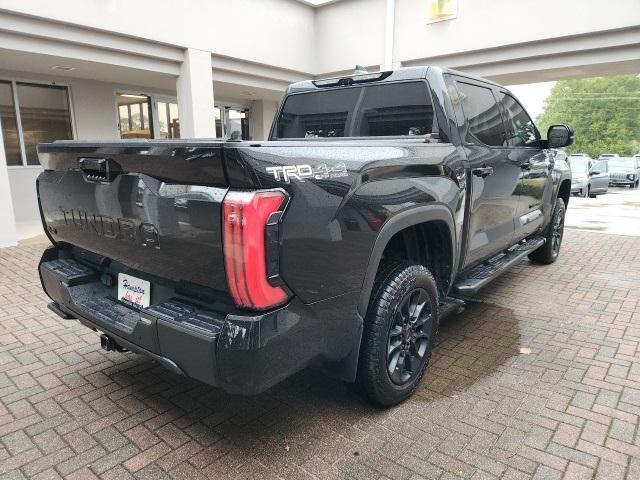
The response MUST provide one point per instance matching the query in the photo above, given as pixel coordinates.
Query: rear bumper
(238, 351)
(579, 186)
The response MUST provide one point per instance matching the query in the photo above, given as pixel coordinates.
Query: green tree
(604, 111)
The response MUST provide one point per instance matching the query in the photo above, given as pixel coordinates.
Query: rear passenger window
(482, 112)
(521, 131)
(393, 109)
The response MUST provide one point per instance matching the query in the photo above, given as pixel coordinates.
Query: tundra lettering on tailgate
(127, 230)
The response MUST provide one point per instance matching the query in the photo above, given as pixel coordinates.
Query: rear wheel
(399, 333)
(548, 253)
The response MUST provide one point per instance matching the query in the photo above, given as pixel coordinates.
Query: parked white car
(624, 171)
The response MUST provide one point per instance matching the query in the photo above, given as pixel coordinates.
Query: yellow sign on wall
(439, 10)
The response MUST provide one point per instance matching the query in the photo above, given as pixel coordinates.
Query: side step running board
(476, 278)
(450, 306)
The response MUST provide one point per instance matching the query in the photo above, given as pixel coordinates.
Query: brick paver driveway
(541, 378)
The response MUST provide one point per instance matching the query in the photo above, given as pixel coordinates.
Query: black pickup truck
(379, 202)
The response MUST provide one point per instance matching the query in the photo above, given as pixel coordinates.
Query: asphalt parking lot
(617, 212)
(538, 378)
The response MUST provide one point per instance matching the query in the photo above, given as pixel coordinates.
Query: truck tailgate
(152, 206)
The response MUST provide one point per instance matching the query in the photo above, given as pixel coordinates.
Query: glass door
(134, 116)
(168, 121)
(236, 123)
(232, 123)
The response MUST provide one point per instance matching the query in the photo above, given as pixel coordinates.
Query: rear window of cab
(387, 110)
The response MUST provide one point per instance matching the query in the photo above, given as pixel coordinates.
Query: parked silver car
(588, 177)
(624, 171)
(580, 166)
(599, 178)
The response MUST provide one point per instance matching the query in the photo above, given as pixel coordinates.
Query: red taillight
(245, 217)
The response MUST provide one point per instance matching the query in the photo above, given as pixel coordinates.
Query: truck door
(534, 163)
(492, 197)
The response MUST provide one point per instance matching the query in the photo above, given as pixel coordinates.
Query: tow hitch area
(109, 344)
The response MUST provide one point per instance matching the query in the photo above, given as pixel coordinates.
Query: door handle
(99, 169)
(482, 172)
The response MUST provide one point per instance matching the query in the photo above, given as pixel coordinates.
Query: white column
(8, 234)
(262, 113)
(195, 95)
(389, 32)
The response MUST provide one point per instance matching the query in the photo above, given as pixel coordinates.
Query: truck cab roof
(399, 74)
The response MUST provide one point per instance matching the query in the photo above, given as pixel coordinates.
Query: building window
(217, 112)
(9, 122)
(32, 114)
(439, 10)
(134, 118)
(45, 116)
(168, 121)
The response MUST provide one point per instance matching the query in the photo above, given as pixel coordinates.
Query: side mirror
(594, 172)
(559, 136)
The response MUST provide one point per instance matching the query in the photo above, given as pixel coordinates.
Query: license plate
(134, 290)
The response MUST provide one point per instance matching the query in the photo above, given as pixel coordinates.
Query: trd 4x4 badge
(302, 172)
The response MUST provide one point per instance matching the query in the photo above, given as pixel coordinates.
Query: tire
(399, 334)
(585, 193)
(548, 253)
(589, 194)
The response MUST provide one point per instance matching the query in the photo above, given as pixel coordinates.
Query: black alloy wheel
(557, 231)
(409, 337)
(399, 332)
(549, 252)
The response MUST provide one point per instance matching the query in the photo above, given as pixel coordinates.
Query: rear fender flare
(395, 224)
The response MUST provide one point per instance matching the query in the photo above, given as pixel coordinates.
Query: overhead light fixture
(129, 95)
(63, 68)
(438, 10)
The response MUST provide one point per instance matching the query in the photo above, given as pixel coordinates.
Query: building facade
(96, 69)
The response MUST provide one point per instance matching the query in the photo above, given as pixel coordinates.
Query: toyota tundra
(379, 203)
